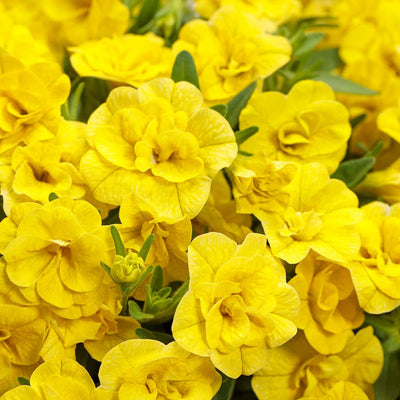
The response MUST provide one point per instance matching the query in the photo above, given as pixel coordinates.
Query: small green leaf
(357, 120)
(164, 292)
(53, 196)
(387, 386)
(157, 279)
(160, 336)
(144, 251)
(236, 105)
(328, 59)
(352, 172)
(221, 108)
(244, 153)
(146, 13)
(136, 312)
(119, 245)
(23, 381)
(244, 134)
(342, 85)
(75, 102)
(225, 392)
(184, 69)
(105, 267)
(308, 43)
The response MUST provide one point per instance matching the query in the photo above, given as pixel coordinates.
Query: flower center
(301, 226)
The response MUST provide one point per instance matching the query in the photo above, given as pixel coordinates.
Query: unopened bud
(127, 269)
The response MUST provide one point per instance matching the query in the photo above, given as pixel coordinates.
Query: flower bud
(127, 269)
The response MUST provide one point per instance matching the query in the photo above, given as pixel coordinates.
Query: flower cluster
(194, 192)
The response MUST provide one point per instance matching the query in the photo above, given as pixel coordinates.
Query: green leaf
(308, 43)
(221, 108)
(160, 336)
(184, 69)
(164, 292)
(328, 59)
(244, 134)
(244, 153)
(119, 245)
(136, 312)
(387, 386)
(105, 267)
(157, 279)
(144, 250)
(357, 120)
(75, 105)
(342, 85)
(225, 392)
(53, 196)
(23, 381)
(112, 217)
(236, 105)
(352, 172)
(146, 13)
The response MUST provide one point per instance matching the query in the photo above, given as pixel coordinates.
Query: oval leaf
(185, 69)
(352, 172)
(342, 85)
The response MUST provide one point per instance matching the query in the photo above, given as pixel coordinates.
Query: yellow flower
(389, 121)
(238, 304)
(230, 52)
(295, 369)
(342, 390)
(307, 125)
(379, 77)
(321, 216)
(270, 13)
(160, 143)
(22, 333)
(61, 379)
(91, 19)
(261, 184)
(30, 100)
(131, 59)
(10, 381)
(148, 369)
(171, 238)
(36, 171)
(375, 270)
(384, 184)
(219, 213)
(329, 306)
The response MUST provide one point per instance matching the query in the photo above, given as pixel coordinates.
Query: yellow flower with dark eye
(148, 369)
(238, 304)
(307, 125)
(230, 52)
(30, 100)
(159, 142)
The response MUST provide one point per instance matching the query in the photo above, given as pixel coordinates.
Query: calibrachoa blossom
(171, 237)
(375, 269)
(159, 142)
(238, 304)
(29, 112)
(22, 333)
(270, 13)
(59, 379)
(296, 369)
(219, 213)
(91, 19)
(148, 369)
(321, 216)
(342, 390)
(329, 306)
(114, 60)
(259, 184)
(230, 52)
(307, 125)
